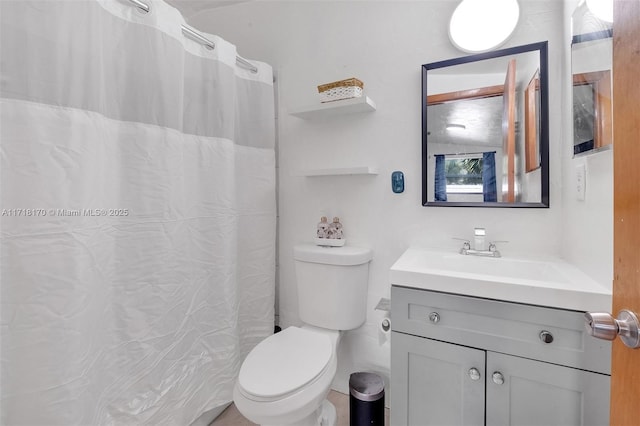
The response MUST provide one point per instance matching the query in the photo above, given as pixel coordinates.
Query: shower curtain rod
(470, 153)
(243, 62)
(140, 5)
(194, 35)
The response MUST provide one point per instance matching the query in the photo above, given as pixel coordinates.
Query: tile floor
(232, 417)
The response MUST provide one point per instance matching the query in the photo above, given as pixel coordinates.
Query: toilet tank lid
(345, 255)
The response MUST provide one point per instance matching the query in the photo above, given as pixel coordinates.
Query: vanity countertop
(543, 282)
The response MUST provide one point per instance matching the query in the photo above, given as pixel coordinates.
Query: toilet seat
(283, 363)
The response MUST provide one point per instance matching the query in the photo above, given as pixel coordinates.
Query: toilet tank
(332, 285)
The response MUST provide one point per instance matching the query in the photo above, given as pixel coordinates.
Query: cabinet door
(538, 393)
(432, 384)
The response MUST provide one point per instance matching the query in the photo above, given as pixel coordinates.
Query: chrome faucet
(479, 243)
(479, 234)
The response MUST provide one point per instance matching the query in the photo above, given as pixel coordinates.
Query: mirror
(591, 59)
(485, 133)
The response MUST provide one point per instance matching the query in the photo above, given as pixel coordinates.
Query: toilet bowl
(286, 378)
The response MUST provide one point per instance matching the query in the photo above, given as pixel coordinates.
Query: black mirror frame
(542, 48)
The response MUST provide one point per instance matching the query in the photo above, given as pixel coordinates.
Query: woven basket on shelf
(343, 89)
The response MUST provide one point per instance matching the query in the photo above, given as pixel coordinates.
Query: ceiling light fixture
(482, 25)
(453, 126)
(602, 9)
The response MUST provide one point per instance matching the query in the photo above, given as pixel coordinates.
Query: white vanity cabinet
(460, 360)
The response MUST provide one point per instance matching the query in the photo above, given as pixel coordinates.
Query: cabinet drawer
(499, 326)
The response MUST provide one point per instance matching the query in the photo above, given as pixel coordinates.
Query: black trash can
(366, 399)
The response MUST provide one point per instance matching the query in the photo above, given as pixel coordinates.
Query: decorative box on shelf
(343, 89)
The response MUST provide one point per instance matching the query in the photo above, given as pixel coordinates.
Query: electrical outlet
(581, 182)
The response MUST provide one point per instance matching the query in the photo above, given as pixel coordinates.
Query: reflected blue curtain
(440, 180)
(489, 188)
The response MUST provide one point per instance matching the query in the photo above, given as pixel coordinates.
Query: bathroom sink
(545, 282)
(482, 268)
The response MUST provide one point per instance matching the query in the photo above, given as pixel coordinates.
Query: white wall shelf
(337, 171)
(345, 106)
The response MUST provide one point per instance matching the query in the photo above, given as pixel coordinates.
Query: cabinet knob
(434, 317)
(497, 378)
(474, 374)
(546, 336)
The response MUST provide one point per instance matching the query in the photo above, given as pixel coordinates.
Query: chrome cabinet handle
(497, 378)
(474, 374)
(546, 336)
(604, 326)
(434, 317)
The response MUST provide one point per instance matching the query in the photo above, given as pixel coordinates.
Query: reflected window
(460, 176)
(463, 175)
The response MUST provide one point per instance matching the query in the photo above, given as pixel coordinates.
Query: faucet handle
(466, 245)
(492, 244)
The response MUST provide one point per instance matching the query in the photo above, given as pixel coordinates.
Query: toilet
(286, 378)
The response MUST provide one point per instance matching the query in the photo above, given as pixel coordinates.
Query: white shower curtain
(138, 215)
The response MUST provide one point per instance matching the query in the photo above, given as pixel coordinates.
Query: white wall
(587, 225)
(384, 43)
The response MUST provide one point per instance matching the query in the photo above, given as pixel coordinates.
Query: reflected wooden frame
(531, 148)
(601, 83)
(479, 93)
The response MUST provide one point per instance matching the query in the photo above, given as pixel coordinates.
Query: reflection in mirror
(485, 129)
(591, 58)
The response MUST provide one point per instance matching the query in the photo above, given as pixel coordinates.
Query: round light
(482, 25)
(602, 9)
(454, 126)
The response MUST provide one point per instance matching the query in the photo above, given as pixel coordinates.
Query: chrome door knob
(604, 326)
(497, 378)
(628, 328)
(434, 317)
(474, 374)
(546, 336)
(601, 325)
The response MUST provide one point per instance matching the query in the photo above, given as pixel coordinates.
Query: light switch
(581, 182)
